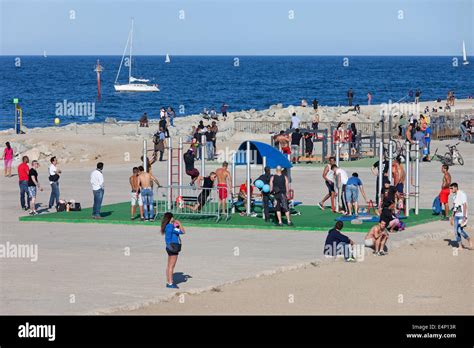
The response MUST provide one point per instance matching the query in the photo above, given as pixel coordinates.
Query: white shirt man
(459, 200)
(343, 175)
(97, 180)
(295, 121)
(52, 171)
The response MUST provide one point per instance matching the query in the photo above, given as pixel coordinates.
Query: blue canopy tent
(261, 153)
(257, 153)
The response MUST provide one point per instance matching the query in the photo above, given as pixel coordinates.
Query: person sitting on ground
(295, 145)
(145, 180)
(213, 114)
(188, 158)
(354, 184)
(144, 120)
(387, 215)
(206, 184)
(205, 114)
(280, 186)
(242, 195)
(377, 238)
(304, 103)
(338, 244)
(308, 146)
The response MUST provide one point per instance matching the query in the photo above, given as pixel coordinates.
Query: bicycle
(453, 155)
(398, 151)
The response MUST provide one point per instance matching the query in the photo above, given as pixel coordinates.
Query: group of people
(204, 136)
(211, 113)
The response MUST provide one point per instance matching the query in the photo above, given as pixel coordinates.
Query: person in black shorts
(375, 170)
(279, 185)
(206, 183)
(265, 178)
(188, 158)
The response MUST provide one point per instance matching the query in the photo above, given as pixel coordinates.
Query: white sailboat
(134, 84)
(464, 56)
(167, 60)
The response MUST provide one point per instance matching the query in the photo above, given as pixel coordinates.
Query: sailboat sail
(131, 86)
(464, 56)
(167, 60)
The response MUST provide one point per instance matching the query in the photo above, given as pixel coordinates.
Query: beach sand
(427, 277)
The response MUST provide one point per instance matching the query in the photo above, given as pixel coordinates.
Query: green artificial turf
(311, 219)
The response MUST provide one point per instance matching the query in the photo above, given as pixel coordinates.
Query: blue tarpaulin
(258, 150)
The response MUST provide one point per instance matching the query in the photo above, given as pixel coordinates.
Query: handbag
(174, 247)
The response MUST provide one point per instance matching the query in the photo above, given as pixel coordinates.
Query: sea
(46, 86)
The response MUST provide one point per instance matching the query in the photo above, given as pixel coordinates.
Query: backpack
(436, 206)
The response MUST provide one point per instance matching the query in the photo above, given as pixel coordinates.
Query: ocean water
(190, 83)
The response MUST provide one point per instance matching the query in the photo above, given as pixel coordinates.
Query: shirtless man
(145, 183)
(444, 194)
(328, 176)
(284, 141)
(223, 182)
(398, 179)
(136, 197)
(376, 238)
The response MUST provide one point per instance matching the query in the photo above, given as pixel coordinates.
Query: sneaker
(290, 223)
(381, 253)
(320, 206)
(142, 219)
(172, 286)
(280, 224)
(253, 215)
(350, 259)
(31, 213)
(444, 218)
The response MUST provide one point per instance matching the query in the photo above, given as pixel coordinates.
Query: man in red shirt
(23, 171)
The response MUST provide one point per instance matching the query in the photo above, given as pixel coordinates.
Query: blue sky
(238, 27)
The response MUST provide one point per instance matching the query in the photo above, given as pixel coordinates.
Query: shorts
(193, 173)
(281, 203)
(32, 191)
(8, 163)
(444, 196)
(400, 187)
(369, 242)
(330, 186)
(222, 190)
(352, 193)
(295, 150)
(202, 198)
(170, 253)
(134, 199)
(286, 150)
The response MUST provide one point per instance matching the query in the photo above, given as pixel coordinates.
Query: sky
(237, 27)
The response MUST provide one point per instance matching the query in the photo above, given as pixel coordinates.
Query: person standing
(375, 171)
(341, 179)
(328, 177)
(315, 104)
(369, 98)
(54, 174)
(417, 96)
(445, 191)
(171, 229)
(459, 217)
(214, 129)
(224, 108)
(350, 96)
(354, 184)
(279, 185)
(97, 182)
(171, 115)
(210, 138)
(145, 181)
(224, 180)
(295, 121)
(308, 146)
(295, 145)
(136, 197)
(7, 159)
(33, 186)
(189, 168)
(23, 176)
(159, 143)
(265, 178)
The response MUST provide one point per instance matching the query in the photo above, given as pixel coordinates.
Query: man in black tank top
(279, 186)
(207, 185)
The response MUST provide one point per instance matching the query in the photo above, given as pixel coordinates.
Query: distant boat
(464, 56)
(132, 85)
(167, 60)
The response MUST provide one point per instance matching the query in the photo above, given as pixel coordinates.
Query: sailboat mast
(121, 62)
(131, 46)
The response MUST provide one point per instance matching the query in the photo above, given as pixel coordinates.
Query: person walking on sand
(445, 191)
(136, 196)
(328, 176)
(23, 172)
(54, 174)
(377, 238)
(172, 229)
(279, 185)
(145, 182)
(7, 159)
(33, 186)
(369, 98)
(97, 183)
(459, 217)
(350, 96)
(223, 182)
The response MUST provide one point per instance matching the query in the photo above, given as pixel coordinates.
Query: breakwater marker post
(98, 69)
(18, 116)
